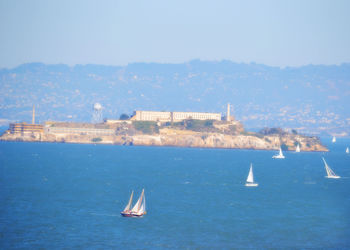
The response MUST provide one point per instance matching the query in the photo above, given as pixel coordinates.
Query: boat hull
(126, 214)
(251, 184)
(333, 177)
(278, 157)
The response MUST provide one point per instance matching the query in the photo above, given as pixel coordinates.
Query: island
(153, 128)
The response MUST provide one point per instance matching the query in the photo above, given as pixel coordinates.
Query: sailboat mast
(130, 201)
(141, 199)
(328, 170)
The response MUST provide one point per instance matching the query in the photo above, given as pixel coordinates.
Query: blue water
(56, 196)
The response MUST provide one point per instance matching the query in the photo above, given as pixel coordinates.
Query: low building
(109, 121)
(180, 116)
(80, 131)
(173, 116)
(151, 116)
(23, 128)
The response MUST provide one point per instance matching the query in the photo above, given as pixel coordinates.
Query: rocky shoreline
(182, 138)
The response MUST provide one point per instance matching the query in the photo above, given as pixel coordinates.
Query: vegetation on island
(273, 131)
(146, 127)
(201, 126)
(204, 126)
(284, 147)
(124, 117)
(193, 125)
(96, 139)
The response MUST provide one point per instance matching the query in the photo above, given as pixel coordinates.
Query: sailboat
(139, 208)
(297, 149)
(279, 155)
(330, 173)
(250, 179)
(127, 210)
(347, 150)
(333, 139)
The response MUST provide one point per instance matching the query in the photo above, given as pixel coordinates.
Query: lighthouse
(228, 112)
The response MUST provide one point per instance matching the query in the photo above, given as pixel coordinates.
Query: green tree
(284, 147)
(198, 125)
(124, 117)
(147, 127)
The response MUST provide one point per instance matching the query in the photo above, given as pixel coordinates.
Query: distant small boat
(347, 150)
(139, 208)
(297, 149)
(250, 179)
(334, 139)
(330, 173)
(279, 155)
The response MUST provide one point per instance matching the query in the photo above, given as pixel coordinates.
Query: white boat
(139, 208)
(330, 173)
(334, 139)
(250, 179)
(127, 208)
(297, 149)
(347, 150)
(279, 155)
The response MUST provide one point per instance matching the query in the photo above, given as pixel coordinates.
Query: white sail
(137, 206)
(127, 208)
(143, 206)
(334, 139)
(330, 173)
(347, 150)
(279, 155)
(297, 149)
(250, 177)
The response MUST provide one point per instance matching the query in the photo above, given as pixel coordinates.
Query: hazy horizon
(118, 33)
(175, 63)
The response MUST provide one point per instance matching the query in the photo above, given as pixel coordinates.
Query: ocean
(55, 196)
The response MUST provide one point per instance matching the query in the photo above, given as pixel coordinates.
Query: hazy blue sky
(279, 33)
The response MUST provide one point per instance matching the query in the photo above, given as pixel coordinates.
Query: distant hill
(313, 98)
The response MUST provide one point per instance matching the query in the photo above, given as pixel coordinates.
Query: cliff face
(181, 138)
(215, 140)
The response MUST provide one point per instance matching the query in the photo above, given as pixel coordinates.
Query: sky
(276, 33)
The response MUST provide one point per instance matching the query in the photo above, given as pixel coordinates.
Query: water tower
(97, 113)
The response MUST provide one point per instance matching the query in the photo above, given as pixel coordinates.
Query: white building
(173, 116)
(152, 116)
